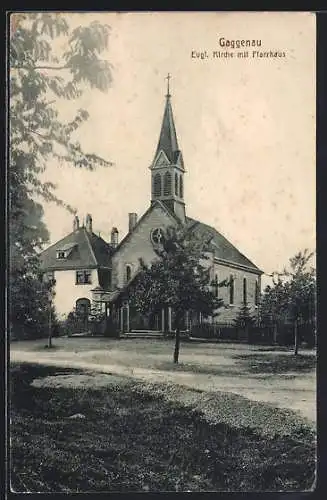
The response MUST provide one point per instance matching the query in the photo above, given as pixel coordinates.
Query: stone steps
(142, 334)
(150, 334)
(146, 331)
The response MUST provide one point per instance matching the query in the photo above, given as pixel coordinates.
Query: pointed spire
(168, 138)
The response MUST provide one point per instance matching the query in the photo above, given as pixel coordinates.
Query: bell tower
(167, 169)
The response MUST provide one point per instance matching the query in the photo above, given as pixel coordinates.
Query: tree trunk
(296, 338)
(50, 328)
(275, 333)
(247, 336)
(177, 340)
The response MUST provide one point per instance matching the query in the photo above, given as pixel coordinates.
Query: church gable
(180, 161)
(161, 160)
(140, 244)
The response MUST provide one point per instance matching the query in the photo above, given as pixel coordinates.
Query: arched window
(157, 185)
(231, 289)
(128, 273)
(256, 293)
(215, 286)
(167, 184)
(244, 291)
(181, 188)
(176, 184)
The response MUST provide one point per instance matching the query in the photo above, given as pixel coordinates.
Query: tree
(179, 278)
(39, 78)
(301, 291)
(244, 318)
(293, 295)
(274, 305)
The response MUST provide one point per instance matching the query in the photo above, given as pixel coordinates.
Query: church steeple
(168, 138)
(168, 166)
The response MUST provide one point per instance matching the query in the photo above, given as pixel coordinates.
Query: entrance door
(154, 322)
(83, 307)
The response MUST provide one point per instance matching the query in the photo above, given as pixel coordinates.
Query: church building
(89, 271)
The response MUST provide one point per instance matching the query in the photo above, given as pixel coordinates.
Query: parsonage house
(91, 272)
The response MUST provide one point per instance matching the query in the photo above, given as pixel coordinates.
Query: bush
(35, 329)
(96, 323)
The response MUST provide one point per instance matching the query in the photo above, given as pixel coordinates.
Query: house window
(167, 184)
(256, 293)
(181, 188)
(128, 273)
(157, 185)
(61, 254)
(176, 184)
(83, 277)
(244, 291)
(231, 289)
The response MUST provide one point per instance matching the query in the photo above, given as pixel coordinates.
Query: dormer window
(65, 251)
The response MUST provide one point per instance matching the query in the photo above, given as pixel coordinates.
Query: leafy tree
(41, 76)
(293, 296)
(179, 278)
(274, 306)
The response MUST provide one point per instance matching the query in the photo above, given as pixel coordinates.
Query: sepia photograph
(161, 194)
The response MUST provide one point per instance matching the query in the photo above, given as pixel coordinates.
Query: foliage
(244, 318)
(41, 76)
(179, 278)
(293, 295)
(273, 307)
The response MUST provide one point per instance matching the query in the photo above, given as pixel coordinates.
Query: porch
(126, 319)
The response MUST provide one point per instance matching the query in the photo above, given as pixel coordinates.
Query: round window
(157, 236)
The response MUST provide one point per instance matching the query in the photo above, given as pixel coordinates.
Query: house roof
(168, 138)
(221, 247)
(87, 251)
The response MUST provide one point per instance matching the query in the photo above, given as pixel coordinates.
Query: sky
(246, 128)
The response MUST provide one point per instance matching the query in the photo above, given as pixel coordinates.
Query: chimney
(114, 237)
(132, 221)
(88, 223)
(76, 223)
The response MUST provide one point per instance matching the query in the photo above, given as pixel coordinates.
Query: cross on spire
(168, 77)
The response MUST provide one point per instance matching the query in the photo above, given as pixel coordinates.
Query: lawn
(271, 375)
(134, 435)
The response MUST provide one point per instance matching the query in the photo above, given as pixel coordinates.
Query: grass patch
(132, 439)
(277, 363)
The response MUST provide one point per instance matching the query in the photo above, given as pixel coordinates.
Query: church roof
(168, 137)
(222, 248)
(87, 250)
